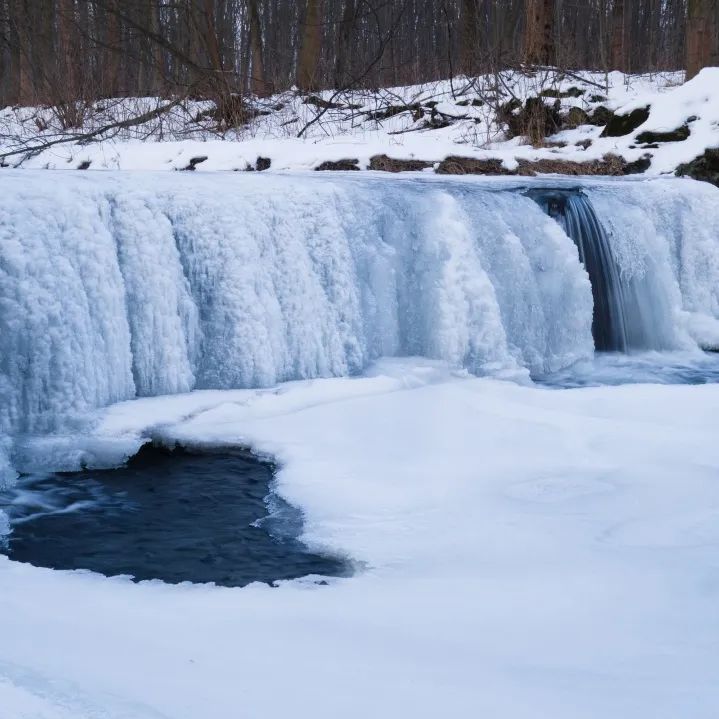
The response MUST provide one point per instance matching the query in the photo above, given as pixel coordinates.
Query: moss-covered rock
(607, 165)
(455, 165)
(194, 162)
(571, 92)
(705, 167)
(338, 165)
(681, 133)
(638, 166)
(621, 125)
(535, 119)
(385, 113)
(600, 116)
(575, 117)
(384, 163)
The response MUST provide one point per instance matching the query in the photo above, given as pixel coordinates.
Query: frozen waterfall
(115, 286)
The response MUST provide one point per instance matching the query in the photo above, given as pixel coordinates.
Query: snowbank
(424, 122)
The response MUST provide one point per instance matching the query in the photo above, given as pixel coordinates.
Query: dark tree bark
(344, 42)
(539, 32)
(618, 34)
(258, 79)
(701, 35)
(310, 47)
(468, 36)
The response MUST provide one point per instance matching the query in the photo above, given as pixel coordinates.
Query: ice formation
(117, 287)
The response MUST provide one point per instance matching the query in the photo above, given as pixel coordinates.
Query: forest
(60, 52)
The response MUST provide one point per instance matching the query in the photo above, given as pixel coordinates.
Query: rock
(584, 144)
(705, 167)
(638, 166)
(608, 165)
(571, 92)
(456, 165)
(327, 105)
(681, 133)
(534, 120)
(384, 163)
(621, 125)
(84, 165)
(600, 116)
(392, 110)
(338, 165)
(574, 118)
(466, 103)
(263, 163)
(194, 162)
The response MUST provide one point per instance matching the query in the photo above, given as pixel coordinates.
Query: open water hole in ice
(173, 516)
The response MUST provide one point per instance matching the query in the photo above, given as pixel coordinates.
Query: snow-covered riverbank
(470, 117)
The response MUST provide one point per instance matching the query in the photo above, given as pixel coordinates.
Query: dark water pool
(171, 516)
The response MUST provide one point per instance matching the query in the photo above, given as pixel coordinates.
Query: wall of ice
(115, 286)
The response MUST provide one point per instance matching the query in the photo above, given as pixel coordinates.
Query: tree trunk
(468, 37)
(156, 75)
(67, 63)
(539, 32)
(344, 43)
(617, 59)
(111, 75)
(23, 56)
(701, 35)
(310, 47)
(258, 79)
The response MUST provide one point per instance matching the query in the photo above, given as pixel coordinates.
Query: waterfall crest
(116, 287)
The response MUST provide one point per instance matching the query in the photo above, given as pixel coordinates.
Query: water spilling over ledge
(629, 311)
(121, 287)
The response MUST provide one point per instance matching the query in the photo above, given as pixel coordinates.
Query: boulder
(574, 118)
(384, 163)
(705, 167)
(456, 165)
(620, 125)
(338, 165)
(681, 133)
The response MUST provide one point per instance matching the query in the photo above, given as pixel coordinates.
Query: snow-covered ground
(425, 122)
(521, 553)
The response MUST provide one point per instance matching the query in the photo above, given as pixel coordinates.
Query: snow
(169, 143)
(520, 552)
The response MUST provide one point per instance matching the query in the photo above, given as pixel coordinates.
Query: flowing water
(171, 516)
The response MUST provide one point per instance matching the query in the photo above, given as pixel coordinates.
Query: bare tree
(310, 47)
(258, 80)
(58, 51)
(469, 36)
(701, 35)
(344, 41)
(618, 35)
